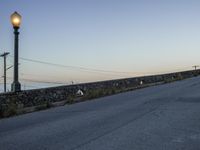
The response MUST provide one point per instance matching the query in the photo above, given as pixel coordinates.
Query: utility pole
(195, 67)
(4, 57)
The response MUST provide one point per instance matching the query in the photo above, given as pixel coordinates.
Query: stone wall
(37, 97)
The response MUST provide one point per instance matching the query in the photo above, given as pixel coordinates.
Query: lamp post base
(16, 87)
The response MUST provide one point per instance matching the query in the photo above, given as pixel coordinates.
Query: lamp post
(16, 21)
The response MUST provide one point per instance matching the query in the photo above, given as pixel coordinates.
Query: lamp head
(15, 19)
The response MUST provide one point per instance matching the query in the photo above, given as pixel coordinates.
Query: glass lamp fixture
(15, 19)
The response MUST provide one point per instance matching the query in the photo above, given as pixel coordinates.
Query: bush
(11, 110)
(8, 110)
(43, 106)
(70, 99)
(95, 93)
(179, 77)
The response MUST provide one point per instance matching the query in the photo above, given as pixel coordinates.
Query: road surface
(165, 117)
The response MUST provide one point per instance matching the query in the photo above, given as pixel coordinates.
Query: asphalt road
(165, 117)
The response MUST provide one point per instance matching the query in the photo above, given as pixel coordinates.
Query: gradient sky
(137, 36)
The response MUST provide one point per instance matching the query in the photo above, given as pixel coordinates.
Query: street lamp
(16, 21)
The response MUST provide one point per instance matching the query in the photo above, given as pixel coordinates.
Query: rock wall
(37, 97)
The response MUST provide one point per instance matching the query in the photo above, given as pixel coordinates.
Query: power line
(38, 81)
(37, 75)
(75, 67)
(107, 72)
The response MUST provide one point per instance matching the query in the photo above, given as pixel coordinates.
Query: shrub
(70, 99)
(8, 110)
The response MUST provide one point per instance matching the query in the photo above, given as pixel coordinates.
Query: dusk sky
(117, 38)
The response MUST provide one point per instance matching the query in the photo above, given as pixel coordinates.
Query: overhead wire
(69, 67)
(38, 81)
(113, 72)
(74, 67)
